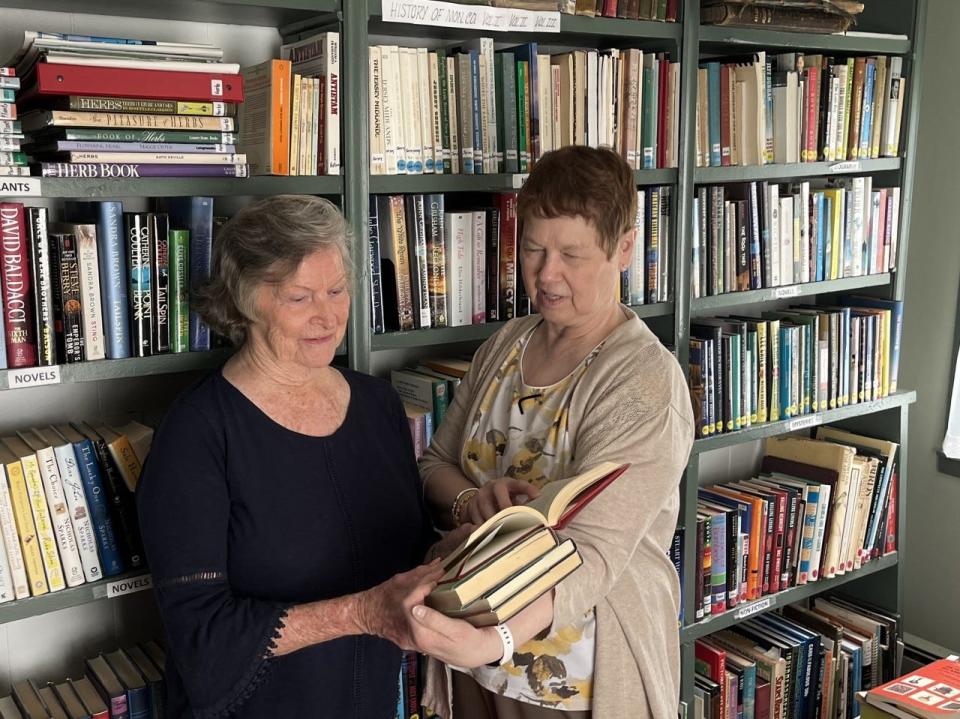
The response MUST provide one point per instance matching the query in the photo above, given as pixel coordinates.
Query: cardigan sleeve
(219, 642)
(639, 414)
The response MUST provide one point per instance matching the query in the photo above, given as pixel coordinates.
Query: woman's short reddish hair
(595, 184)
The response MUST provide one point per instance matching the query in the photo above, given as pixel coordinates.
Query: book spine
(17, 307)
(89, 103)
(418, 259)
(91, 313)
(436, 261)
(132, 121)
(123, 511)
(42, 522)
(97, 501)
(20, 499)
(132, 170)
(475, 243)
(436, 113)
(376, 278)
(179, 294)
(375, 90)
(137, 229)
(508, 257)
(39, 244)
(491, 238)
(79, 511)
(147, 136)
(454, 115)
(67, 322)
(60, 517)
(444, 100)
(14, 556)
(113, 279)
(160, 281)
(457, 231)
(401, 254)
(161, 158)
(331, 103)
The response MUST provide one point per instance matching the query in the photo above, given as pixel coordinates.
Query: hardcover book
(516, 555)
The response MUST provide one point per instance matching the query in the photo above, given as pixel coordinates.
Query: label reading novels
(23, 187)
(519, 180)
(847, 166)
(748, 610)
(121, 587)
(32, 377)
(788, 291)
(474, 17)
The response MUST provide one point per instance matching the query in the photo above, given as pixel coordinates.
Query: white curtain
(951, 442)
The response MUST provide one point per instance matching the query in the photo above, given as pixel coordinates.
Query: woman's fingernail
(419, 611)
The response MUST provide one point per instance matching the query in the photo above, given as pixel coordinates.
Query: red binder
(53, 79)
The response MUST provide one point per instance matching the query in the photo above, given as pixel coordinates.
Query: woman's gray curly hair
(265, 243)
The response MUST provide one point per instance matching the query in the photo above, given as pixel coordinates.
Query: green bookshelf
(730, 301)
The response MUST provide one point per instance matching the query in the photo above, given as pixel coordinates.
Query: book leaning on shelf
(516, 555)
(930, 692)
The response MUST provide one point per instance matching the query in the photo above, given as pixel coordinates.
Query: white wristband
(506, 636)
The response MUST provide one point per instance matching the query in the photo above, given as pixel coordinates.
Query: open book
(516, 555)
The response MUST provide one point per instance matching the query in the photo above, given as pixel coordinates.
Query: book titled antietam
(17, 306)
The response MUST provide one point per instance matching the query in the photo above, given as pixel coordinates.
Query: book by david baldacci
(515, 556)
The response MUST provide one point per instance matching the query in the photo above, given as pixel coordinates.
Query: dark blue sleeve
(219, 642)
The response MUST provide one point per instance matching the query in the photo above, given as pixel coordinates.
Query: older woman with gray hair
(281, 507)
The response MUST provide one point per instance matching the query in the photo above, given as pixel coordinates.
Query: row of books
(410, 688)
(471, 110)
(793, 107)
(664, 10)
(799, 662)
(104, 283)
(122, 683)
(12, 161)
(432, 266)
(818, 508)
(759, 234)
(67, 514)
(746, 371)
(122, 85)
(290, 119)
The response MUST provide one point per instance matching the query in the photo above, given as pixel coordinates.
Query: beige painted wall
(932, 572)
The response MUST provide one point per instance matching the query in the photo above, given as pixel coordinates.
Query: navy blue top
(242, 518)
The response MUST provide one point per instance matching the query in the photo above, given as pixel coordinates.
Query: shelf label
(471, 17)
(803, 422)
(847, 166)
(788, 291)
(20, 187)
(33, 377)
(519, 180)
(130, 585)
(748, 610)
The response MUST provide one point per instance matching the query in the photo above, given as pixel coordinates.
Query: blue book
(138, 696)
(111, 257)
(196, 215)
(866, 119)
(110, 558)
(896, 327)
(713, 109)
(819, 203)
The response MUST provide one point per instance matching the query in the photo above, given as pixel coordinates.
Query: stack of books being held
(115, 107)
(516, 555)
(12, 161)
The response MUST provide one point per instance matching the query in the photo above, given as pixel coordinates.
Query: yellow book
(123, 456)
(41, 514)
(23, 518)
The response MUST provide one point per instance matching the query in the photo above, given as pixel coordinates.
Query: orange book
(930, 691)
(265, 117)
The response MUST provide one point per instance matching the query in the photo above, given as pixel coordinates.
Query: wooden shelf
(772, 429)
(65, 598)
(733, 38)
(189, 186)
(400, 184)
(717, 175)
(734, 616)
(132, 367)
(730, 300)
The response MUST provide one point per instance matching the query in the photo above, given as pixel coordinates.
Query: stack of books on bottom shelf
(516, 556)
(929, 692)
(818, 509)
(123, 683)
(801, 662)
(67, 513)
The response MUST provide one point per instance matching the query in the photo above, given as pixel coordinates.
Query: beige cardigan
(632, 405)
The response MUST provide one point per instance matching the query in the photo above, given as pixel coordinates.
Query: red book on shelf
(17, 303)
(53, 79)
(610, 8)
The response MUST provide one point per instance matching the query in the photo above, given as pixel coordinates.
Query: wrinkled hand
(495, 495)
(385, 610)
(450, 542)
(454, 641)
